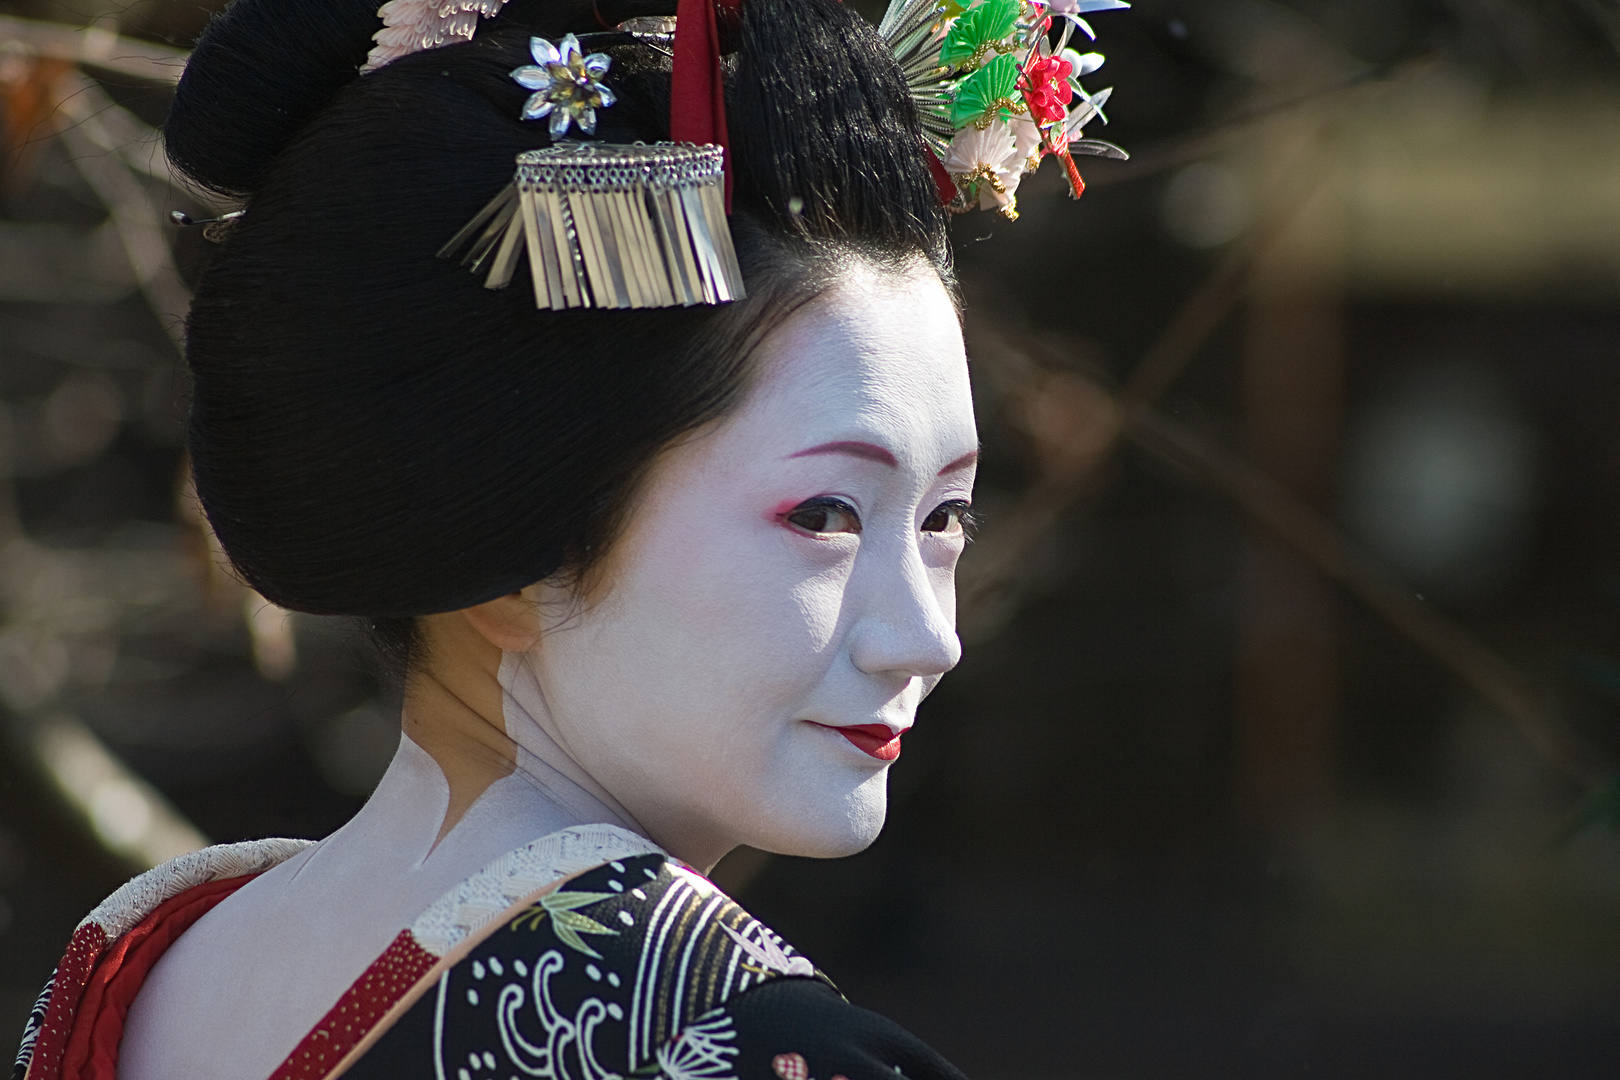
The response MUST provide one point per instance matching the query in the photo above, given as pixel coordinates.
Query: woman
(661, 582)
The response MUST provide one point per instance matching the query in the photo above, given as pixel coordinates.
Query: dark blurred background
(1285, 741)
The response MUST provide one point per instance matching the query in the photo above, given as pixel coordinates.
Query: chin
(831, 827)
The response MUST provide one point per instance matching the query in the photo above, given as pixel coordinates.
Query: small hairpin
(180, 217)
(213, 228)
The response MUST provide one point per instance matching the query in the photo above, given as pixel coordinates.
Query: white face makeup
(786, 574)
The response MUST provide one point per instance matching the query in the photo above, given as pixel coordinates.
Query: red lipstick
(878, 740)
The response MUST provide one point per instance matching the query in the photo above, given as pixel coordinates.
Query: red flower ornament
(1046, 88)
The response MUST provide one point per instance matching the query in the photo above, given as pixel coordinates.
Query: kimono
(588, 954)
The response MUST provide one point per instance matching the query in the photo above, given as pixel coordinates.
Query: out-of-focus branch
(96, 46)
(129, 816)
(1208, 141)
(1606, 13)
(1063, 400)
(1075, 422)
(1070, 458)
(1076, 439)
(78, 99)
(1293, 521)
(118, 131)
(141, 225)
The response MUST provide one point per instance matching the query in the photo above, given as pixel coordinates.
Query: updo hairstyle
(376, 434)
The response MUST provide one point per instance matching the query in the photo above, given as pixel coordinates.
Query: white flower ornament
(987, 163)
(567, 85)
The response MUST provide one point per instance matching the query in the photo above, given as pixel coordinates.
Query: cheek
(941, 555)
(746, 610)
(707, 670)
(945, 596)
(710, 642)
(684, 689)
(818, 604)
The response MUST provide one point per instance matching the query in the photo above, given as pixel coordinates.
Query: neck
(455, 730)
(540, 750)
(480, 715)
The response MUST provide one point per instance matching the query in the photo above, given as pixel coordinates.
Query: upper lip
(871, 729)
(867, 729)
(875, 740)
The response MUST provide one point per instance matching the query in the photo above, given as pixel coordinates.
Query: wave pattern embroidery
(641, 995)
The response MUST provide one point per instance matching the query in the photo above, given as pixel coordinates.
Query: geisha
(649, 470)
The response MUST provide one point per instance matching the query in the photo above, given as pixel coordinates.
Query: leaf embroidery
(701, 1051)
(566, 923)
(770, 955)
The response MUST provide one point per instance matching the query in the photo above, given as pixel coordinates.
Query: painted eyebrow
(873, 452)
(866, 450)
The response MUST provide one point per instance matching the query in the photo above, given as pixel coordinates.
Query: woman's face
(783, 595)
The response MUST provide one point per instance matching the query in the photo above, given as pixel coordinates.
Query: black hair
(376, 434)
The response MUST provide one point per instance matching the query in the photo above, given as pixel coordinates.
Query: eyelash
(965, 521)
(818, 511)
(824, 506)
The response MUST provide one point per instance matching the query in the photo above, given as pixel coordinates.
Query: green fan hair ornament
(981, 29)
(988, 94)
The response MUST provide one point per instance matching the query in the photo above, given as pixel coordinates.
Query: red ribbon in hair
(943, 184)
(697, 96)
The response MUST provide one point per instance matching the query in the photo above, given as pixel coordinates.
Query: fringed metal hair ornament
(610, 226)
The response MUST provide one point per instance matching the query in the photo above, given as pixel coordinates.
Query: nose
(908, 625)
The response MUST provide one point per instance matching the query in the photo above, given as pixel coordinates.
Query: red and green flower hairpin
(995, 94)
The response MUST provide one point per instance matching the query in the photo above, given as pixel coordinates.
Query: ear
(511, 623)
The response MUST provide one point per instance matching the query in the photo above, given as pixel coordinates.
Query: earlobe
(511, 623)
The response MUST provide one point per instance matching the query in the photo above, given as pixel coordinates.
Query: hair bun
(259, 71)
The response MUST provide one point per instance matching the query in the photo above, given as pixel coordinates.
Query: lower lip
(874, 740)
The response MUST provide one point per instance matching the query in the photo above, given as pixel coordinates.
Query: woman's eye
(950, 517)
(825, 516)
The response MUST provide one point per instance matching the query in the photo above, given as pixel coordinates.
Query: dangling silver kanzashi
(610, 226)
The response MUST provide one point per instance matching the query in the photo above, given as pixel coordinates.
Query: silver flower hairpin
(567, 85)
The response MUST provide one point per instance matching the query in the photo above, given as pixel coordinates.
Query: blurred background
(1285, 744)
